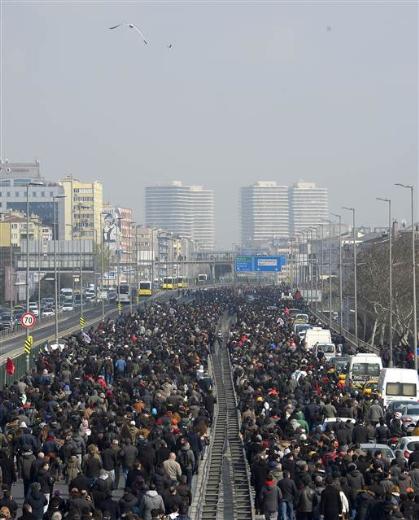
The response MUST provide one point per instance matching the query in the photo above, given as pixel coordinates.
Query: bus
(202, 278)
(168, 283)
(181, 282)
(364, 368)
(144, 288)
(123, 293)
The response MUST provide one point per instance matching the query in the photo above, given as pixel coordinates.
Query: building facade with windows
(186, 211)
(14, 191)
(309, 206)
(264, 213)
(83, 207)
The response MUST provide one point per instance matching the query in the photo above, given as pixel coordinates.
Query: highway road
(12, 345)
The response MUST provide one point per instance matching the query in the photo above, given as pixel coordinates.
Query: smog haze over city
(224, 94)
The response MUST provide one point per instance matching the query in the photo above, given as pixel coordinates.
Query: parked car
(330, 422)
(410, 416)
(373, 447)
(406, 445)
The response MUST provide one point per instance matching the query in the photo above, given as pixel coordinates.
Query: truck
(317, 335)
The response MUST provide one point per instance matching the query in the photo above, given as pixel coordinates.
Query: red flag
(10, 367)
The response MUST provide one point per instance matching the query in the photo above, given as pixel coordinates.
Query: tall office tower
(264, 213)
(14, 189)
(83, 205)
(203, 228)
(309, 205)
(186, 211)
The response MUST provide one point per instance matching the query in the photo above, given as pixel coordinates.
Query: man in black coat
(414, 456)
(330, 503)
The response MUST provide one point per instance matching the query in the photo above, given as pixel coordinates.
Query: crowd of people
(120, 415)
(301, 469)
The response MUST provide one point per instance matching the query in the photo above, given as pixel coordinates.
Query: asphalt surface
(12, 345)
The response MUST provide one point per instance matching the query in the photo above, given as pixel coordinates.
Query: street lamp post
(55, 228)
(390, 255)
(340, 273)
(415, 322)
(28, 185)
(355, 273)
(329, 240)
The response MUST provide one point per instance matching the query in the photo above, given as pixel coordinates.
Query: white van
(364, 368)
(398, 384)
(328, 349)
(317, 335)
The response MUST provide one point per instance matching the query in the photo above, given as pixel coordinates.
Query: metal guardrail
(44, 321)
(356, 342)
(239, 420)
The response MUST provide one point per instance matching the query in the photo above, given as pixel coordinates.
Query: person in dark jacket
(359, 433)
(355, 481)
(184, 491)
(128, 503)
(8, 501)
(7, 470)
(26, 465)
(27, 513)
(289, 495)
(36, 500)
(414, 456)
(330, 503)
(270, 498)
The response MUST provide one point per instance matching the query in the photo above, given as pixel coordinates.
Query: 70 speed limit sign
(28, 320)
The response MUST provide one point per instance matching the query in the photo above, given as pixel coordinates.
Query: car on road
(33, 308)
(410, 416)
(68, 307)
(330, 422)
(372, 448)
(47, 313)
(396, 406)
(406, 445)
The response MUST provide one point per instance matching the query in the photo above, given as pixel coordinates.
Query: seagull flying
(170, 45)
(131, 26)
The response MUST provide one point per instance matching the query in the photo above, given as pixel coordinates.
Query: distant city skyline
(248, 92)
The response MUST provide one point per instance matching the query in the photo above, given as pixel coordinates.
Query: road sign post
(82, 322)
(27, 320)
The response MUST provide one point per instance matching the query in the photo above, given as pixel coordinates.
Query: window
(43, 195)
(404, 389)
(34, 194)
(8, 193)
(364, 369)
(51, 194)
(16, 194)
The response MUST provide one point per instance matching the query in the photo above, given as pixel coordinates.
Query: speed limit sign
(28, 320)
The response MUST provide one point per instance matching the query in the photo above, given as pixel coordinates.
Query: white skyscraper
(264, 213)
(308, 204)
(202, 201)
(184, 210)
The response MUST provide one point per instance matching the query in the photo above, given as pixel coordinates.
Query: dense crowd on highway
(124, 407)
(121, 414)
(305, 462)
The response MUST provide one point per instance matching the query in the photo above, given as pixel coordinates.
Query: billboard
(111, 227)
(259, 264)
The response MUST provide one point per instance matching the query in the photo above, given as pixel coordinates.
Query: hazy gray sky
(250, 91)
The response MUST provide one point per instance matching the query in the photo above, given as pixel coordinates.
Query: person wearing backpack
(186, 459)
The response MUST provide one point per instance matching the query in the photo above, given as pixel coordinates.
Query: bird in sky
(131, 26)
(170, 46)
